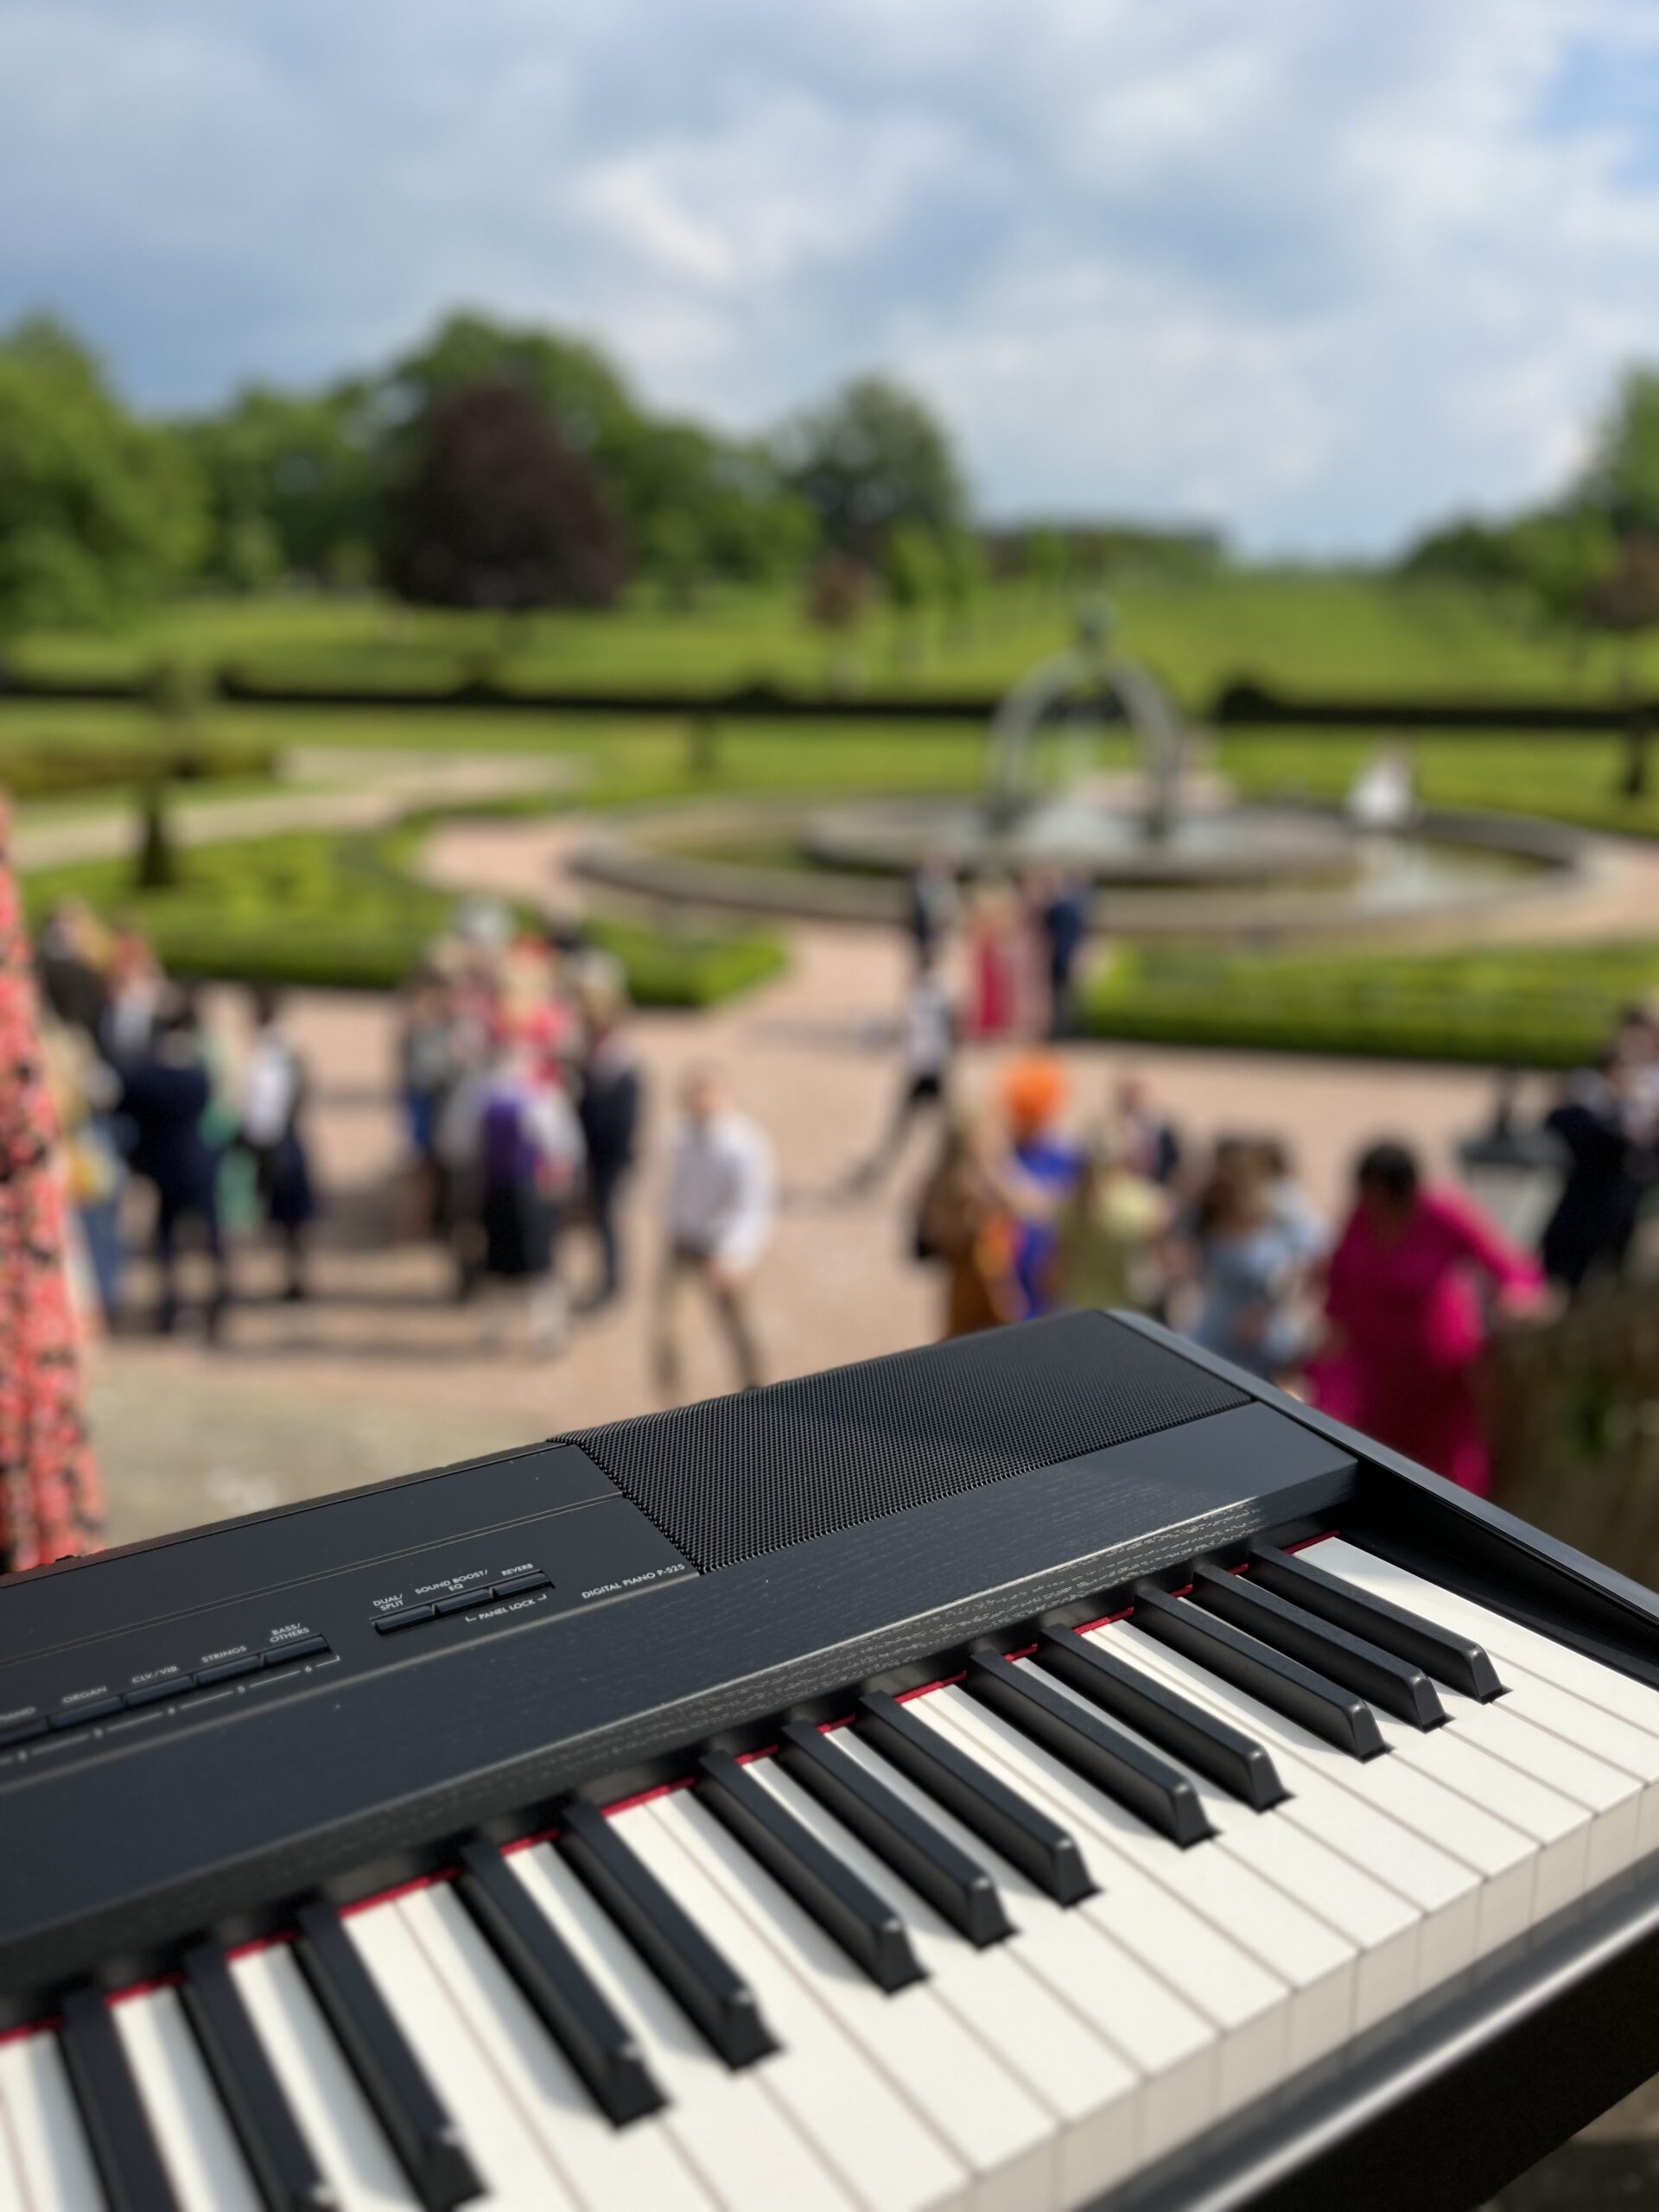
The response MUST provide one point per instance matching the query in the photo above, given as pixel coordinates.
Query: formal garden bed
(350, 911)
(1542, 1007)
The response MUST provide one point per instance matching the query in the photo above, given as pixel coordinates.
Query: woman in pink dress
(994, 946)
(1407, 1322)
(49, 1499)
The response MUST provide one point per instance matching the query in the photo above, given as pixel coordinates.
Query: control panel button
(464, 1599)
(515, 1583)
(227, 1669)
(23, 1732)
(93, 1708)
(389, 1624)
(153, 1692)
(303, 1647)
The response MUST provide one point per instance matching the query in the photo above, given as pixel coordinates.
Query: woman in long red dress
(1408, 1320)
(50, 1502)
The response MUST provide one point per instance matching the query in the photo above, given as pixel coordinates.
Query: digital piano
(1047, 1771)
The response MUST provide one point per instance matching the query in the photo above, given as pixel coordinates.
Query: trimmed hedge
(55, 766)
(695, 968)
(1544, 1007)
(345, 911)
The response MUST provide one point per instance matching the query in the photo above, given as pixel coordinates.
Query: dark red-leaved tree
(499, 513)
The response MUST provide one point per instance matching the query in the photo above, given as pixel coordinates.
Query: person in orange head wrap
(1034, 1091)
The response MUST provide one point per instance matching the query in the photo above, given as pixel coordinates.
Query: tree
(835, 604)
(499, 513)
(99, 513)
(874, 456)
(690, 502)
(1626, 599)
(1623, 479)
(304, 472)
(580, 391)
(962, 570)
(912, 576)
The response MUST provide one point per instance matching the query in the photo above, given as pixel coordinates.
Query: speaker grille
(733, 1478)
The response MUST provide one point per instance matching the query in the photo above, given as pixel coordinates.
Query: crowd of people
(524, 1103)
(1380, 1316)
(145, 1094)
(1023, 940)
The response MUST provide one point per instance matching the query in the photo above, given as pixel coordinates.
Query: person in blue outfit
(1044, 1165)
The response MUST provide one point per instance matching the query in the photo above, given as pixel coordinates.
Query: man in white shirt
(720, 1205)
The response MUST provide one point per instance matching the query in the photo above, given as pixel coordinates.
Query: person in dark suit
(609, 1109)
(1608, 1170)
(1063, 915)
(164, 1097)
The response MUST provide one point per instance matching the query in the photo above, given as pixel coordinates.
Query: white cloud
(1315, 268)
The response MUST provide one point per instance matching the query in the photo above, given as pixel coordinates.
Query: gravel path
(340, 788)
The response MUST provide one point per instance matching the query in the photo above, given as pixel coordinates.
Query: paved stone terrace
(380, 1373)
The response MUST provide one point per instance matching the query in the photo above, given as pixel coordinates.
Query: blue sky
(1319, 269)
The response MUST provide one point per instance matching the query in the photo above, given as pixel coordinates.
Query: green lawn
(634, 759)
(1548, 1006)
(1329, 633)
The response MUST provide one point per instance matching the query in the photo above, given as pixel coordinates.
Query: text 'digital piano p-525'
(1046, 1770)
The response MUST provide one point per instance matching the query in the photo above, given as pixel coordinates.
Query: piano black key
(124, 2147)
(578, 2015)
(278, 2155)
(956, 1884)
(1129, 1772)
(844, 1906)
(1399, 1685)
(1323, 1708)
(1455, 1660)
(1230, 1758)
(716, 1996)
(423, 2137)
(981, 1801)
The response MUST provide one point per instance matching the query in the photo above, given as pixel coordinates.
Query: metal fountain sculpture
(1088, 682)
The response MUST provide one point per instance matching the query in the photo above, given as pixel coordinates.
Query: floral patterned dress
(49, 1496)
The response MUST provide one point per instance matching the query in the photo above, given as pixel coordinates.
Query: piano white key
(507, 2158)
(1131, 2010)
(53, 2157)
(1502, 1856)
(1504, 1640)
(1247, 2003)
(1318, 1964)
(1572, 1718)
(1382, 1925)
(1575, 1807)
(890, 2161)
(11, 2177)
(600, 2165)
(1574, 1697)
(947, 2076)
(356, 2159)
(193, 2130)
(1559, 1825)
(1444, 1890)
(727, 2126)
(1612, 1797)
(1062, 2062)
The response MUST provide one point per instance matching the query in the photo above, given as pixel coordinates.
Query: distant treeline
(496, 467)
(1592, 555)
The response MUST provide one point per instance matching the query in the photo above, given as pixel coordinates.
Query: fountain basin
(1284, 870)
